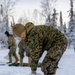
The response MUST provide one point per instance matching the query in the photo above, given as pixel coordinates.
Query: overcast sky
(25, 5)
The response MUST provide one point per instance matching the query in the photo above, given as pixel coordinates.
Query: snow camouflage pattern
(42, 38)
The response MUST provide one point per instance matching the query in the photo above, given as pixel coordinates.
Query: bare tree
(24, 18)
(7, 7)
(47, 7)
(35, 16)
(29, 16)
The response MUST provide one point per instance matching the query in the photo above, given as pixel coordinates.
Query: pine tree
(61, 20)
(72, 21)
(1, 10)
(71, 28)
(61, 27)
(54, 18)
(65, 28)
(71, 11)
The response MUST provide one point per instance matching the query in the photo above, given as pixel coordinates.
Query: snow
(66, 64)
(13, 70)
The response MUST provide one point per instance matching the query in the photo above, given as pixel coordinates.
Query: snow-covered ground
(66, 65)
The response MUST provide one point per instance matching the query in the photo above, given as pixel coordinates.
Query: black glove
(8, 47)
(27, 53)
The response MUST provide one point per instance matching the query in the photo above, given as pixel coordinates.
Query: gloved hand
(8, 47)
(28, 54)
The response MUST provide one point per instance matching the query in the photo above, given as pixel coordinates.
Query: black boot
(48, 74)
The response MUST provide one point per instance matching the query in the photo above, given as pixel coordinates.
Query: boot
(21, 61)
(29, 61)
(50, 74)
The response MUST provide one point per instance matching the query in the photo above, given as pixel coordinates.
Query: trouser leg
(13, 50)
(10, 57)
(29, 61)
(50, 62)
(21, 54)
(21, 61)
(16, 57)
